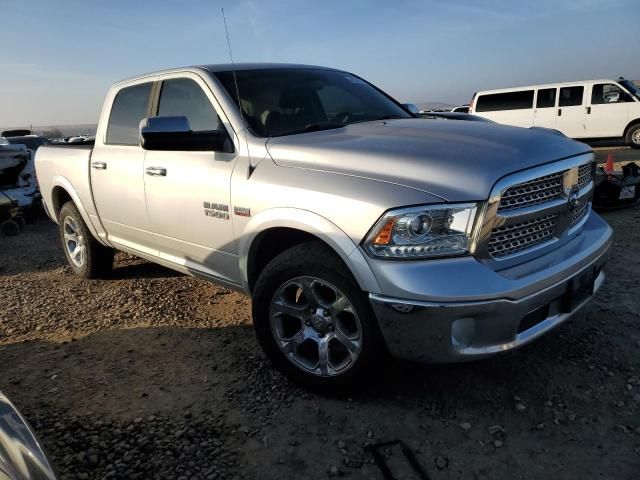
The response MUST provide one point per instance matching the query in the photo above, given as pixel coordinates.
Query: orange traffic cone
(610, 167)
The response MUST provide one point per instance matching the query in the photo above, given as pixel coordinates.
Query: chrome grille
(584, 175)
(537, 200)
(578, 213)
(521, 236)
(541, 190)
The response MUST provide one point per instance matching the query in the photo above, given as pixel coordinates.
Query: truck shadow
(141, 269)
(136, 371)
(126, 378)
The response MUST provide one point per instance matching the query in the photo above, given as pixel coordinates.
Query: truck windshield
(631, 87)
(285, 101)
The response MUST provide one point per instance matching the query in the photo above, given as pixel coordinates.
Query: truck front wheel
(313, 321)
(85, 255)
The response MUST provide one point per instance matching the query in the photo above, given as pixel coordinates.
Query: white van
(587, 109)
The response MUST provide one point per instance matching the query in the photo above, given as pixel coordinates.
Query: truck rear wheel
(85, 255)
(313, 321)
(633, 136)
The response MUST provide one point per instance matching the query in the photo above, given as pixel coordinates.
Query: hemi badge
(242, 211)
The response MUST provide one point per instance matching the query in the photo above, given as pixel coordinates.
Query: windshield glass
(631, 87)
(283, 101)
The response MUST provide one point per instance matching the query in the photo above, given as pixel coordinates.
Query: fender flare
(630, 124)
(62, 182)
(311, 223)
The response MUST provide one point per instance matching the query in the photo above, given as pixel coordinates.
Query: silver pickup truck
(357, 228)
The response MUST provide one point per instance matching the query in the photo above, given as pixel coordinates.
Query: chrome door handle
(156, 171)
(99, 165)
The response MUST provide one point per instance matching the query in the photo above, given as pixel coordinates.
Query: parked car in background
(461, 109)
(32, 142)
(586, 110)
(16, 133)
(356, 227)
(21, 455)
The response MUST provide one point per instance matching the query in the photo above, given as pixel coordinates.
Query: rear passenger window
(571, 96)
(183, 97)
(129, 107)
(505, 101)
(546, 98)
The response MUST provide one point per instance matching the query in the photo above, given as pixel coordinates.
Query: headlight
(423, 232)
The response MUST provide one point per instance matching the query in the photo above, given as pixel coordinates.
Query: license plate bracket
(578, 290)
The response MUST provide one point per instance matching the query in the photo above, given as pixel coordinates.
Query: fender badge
(216, 210)
(242, 211)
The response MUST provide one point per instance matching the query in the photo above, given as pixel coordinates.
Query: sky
(58, 58)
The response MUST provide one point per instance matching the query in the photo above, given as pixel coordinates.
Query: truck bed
(66, 166)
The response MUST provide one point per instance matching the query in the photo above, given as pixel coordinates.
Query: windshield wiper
(378, 119)
(390, 117)
(315, 127)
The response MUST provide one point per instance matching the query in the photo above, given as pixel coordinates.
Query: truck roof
(224, 67)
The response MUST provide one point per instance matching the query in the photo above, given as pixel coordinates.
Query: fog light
(462, 332)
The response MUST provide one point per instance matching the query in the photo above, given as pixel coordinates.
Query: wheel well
(59, 197)
(631, 124)
(269, 244)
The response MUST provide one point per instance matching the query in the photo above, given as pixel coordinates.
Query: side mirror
(412, 108)
(174, 134)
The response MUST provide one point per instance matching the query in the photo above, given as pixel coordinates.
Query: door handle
(559, 112)
(99, 165)
(156, 171)
(588, 110)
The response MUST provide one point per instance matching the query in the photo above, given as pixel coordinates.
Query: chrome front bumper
(474, 311)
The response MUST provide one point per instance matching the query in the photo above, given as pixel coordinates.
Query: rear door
(608, 112)
(545, 111)
(189, 202)
(571, 112)
(117, 177)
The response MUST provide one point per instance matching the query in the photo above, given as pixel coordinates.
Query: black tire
(632, 138)
(98, 259)
(317, 260)
(10, 228)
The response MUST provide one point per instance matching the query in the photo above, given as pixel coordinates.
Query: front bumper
(460, 309)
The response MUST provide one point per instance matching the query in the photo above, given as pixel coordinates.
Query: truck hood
(455, 160)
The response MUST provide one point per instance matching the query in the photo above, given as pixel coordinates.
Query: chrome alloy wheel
(635, 138)
(315, 325)
(74, 241)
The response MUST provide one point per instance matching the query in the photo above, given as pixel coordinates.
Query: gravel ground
(151, 374)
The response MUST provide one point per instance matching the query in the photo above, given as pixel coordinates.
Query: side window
(184, 97)
(546, 98)
(129, 107)
(571, 96)
(505, 101)
(608, 93)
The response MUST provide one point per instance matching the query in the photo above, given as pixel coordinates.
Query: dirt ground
(150, 374)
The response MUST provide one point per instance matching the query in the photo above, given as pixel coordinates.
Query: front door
(608, 114)
(188, 192)
(571, 112)
(117, 164)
